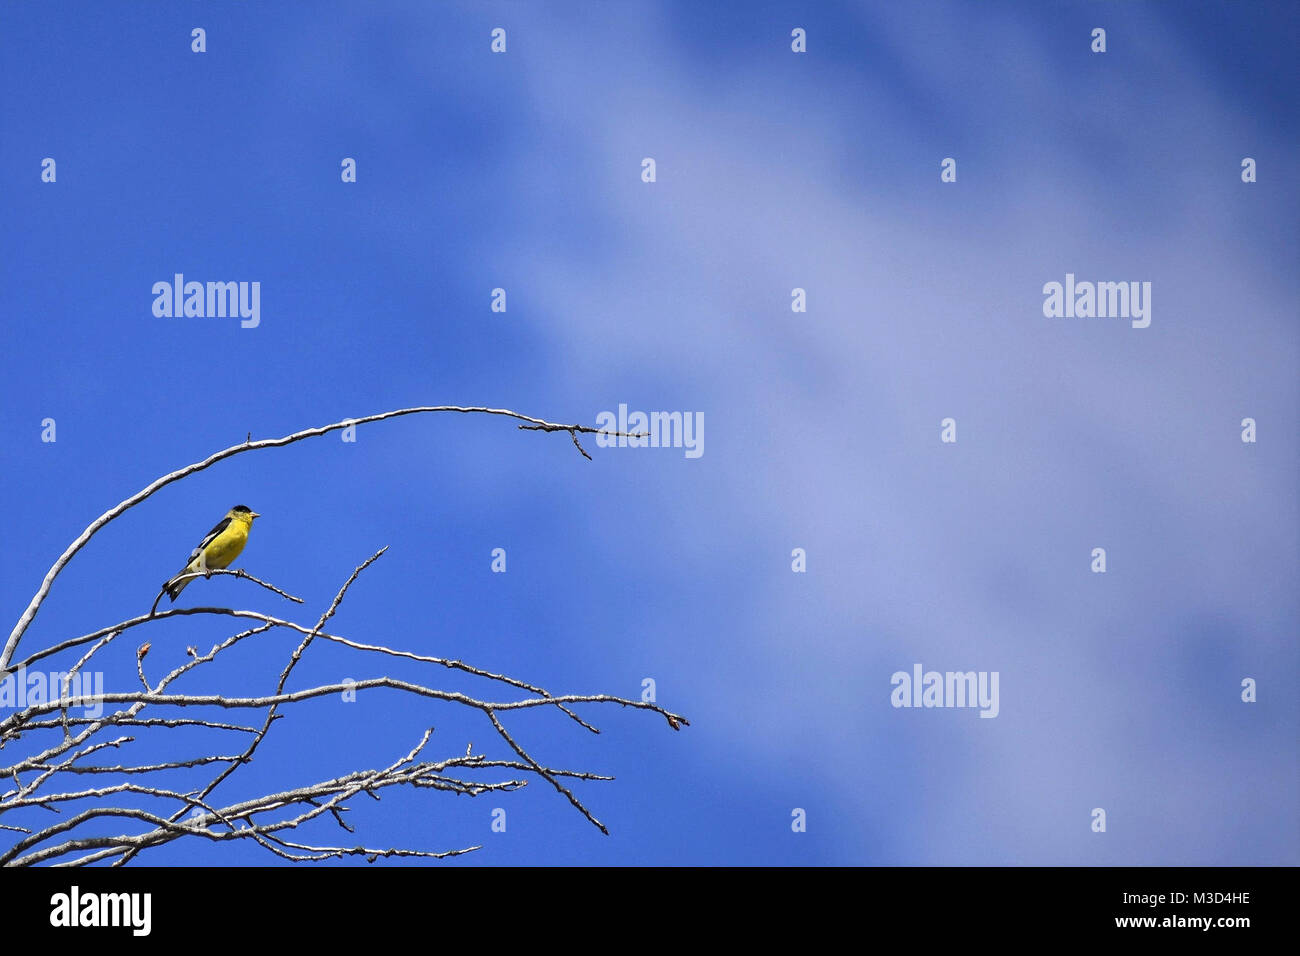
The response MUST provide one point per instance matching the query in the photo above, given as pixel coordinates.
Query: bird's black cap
(241, 508)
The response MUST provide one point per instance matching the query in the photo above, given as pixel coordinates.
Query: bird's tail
(175, 586)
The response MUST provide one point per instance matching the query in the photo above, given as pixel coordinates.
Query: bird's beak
(254, 514)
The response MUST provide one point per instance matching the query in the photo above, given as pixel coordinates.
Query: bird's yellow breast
(226, 546)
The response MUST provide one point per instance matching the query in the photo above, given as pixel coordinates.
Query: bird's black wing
(222, 525)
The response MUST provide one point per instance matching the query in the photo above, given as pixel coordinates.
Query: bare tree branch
(29, 614)
(236, 572)
(169, 812)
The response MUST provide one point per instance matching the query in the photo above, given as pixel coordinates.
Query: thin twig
(236, 572)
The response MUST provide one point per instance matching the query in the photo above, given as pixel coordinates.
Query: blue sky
(775, 170)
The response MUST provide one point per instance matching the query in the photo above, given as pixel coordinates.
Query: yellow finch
(218, 549)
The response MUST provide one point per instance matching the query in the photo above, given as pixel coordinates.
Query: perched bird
(218, 549)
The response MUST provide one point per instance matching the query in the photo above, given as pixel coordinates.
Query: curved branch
(291, 625)
(676, 721)
(11, 645)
